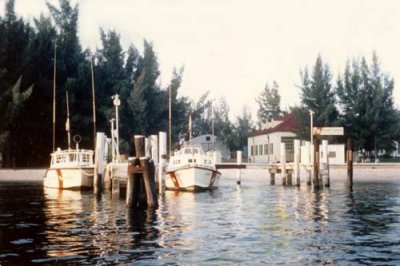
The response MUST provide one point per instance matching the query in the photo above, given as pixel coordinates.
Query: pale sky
(233, 47)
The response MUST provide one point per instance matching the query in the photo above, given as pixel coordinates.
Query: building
(264, 145)
(209, 142)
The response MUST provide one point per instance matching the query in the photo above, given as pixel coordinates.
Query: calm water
(255, 224)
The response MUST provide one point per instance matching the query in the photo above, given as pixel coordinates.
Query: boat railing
(72, 157)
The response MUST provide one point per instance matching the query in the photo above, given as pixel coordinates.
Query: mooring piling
(162, 156)
(297, 161)
(283, 162)
(349, 154)
(325, 163)
(238, 170)
(316, 164)
(308, 161)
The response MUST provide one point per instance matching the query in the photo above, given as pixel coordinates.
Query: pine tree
(269, 102)
(318, 95)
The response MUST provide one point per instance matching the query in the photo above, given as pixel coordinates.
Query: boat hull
(69, 178)
(192, 179)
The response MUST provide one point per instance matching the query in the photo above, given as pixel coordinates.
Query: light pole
(311, 125)
(268, 150)
(116, 103)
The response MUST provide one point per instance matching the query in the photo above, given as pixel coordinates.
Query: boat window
(187, 151)
(190, 160)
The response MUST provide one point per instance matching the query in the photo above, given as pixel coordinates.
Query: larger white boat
(70, 169)
(191, 169)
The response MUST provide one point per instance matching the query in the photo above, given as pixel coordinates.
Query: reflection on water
(253, 224)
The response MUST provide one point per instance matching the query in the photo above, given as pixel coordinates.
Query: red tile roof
(289, 124)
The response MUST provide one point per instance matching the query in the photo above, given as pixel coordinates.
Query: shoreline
(365, 172)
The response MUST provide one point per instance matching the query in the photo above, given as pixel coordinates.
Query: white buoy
(239, 170)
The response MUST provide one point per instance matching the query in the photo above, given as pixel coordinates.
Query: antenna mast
(94, 104)
(67, 124)
(54, 97)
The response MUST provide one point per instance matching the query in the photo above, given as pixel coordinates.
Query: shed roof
(289, 124)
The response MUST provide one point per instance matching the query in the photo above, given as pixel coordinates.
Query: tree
(242, 127)
(365, 96)
(318, 94)
(269, 102)
(11, 102)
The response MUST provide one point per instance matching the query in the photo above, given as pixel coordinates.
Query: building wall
(257, 143)
(336, 153)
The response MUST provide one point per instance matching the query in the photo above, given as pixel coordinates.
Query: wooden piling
(115, 187)
(162, 155)
(289, 174)
(149, 184)
(297, 161)
(139, 146)
(283, 163)
(239, 170)
(350, 163)
(308, 161)
(316, 164)
(325, 167)
(272, 175)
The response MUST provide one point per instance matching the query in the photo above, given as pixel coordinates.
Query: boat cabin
(72, 158)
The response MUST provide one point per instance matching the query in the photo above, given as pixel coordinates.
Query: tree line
(361, 101)
(30, 52)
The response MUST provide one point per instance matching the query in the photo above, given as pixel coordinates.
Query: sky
(232, 48)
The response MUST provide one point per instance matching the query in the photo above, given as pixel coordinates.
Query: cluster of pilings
(315, 163)
(142, 175)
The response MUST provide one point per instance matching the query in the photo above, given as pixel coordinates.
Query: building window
(260, 149)
(332, 154)
(208, 138)
(255, 149)
(251, 151)
(271, 148)
(265, 149)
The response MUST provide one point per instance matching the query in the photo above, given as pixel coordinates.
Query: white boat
(191, 169)
(70, 169)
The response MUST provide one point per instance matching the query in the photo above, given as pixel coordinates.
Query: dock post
(308, 162)
(325, 163)
(350, 163)
(297, 161)
(115, 187)
(316, 164)
(149, 184)
(272, 175)
(283, 162)
(139, 146)
(99, 162)
(162, 155)
(239, 170)
(154, 155)
(107, 177)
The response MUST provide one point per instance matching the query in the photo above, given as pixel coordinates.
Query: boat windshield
(81, 157)
(191, 151)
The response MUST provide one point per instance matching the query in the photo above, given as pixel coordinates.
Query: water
(255, 224)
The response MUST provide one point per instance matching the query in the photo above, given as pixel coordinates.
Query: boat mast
(190, 129)
(212, 125)
(54, 96)
(170, 119)
(93, 104)
(67, 124)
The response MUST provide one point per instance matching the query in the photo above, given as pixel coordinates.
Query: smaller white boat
(191, 169)
(70, 169)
